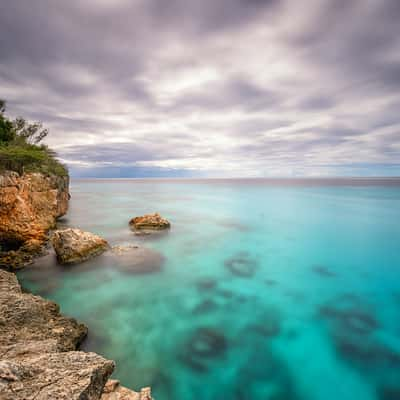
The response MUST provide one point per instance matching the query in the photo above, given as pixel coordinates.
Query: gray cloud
(185, 87)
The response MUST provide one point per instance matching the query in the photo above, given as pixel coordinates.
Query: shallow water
(268, 290)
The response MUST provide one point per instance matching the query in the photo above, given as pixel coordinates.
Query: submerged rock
(134, 259)
(241, 265)
(74, 246)
(149, 223)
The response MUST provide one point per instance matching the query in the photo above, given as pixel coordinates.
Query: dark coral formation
(323, 271)
(204, 345)
(242, 265)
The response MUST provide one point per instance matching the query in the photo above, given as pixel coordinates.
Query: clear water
(268, 290)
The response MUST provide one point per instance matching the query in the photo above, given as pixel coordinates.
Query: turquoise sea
(262, 289)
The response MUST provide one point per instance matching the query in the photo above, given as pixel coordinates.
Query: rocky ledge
(73, 245)
(38, 357)
(29, 207)
(149, 223)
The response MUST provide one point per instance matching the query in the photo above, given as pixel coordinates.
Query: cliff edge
(29, 207)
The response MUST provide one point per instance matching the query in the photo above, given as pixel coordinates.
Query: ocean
(262, 289)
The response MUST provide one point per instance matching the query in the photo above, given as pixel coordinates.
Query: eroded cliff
(29, 207)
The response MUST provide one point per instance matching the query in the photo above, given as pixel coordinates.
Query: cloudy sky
(208, 87)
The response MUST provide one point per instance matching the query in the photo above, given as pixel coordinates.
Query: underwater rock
(204, 345)
(264, 375)
(206, 284)
(205, 307)
(241, 265)
(73, 246)
(323, 271)
(388, 393)
(268, 328)
(149, 223)
(352, 320)
(71, 375)
(134, 259)
(367, 353)
(207, 342)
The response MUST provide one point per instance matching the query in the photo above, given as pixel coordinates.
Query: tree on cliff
(20, 148)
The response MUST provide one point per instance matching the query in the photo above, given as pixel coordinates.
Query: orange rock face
(29, 206)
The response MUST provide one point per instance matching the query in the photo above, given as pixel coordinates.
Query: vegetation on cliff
(21, 149)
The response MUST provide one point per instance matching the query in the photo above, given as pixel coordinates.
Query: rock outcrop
(73, 246)
(29, 207)
(114, 391)
(38, 357)
(149, 223)
(70, 375)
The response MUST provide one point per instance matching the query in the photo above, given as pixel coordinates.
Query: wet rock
(149, 223)
(241, 265)
(74, 246)
(73, 375)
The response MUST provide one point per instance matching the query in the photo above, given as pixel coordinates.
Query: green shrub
(20, 150)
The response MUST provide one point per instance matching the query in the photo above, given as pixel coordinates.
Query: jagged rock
(114, 391)
(73, 375)
(149, 223)
(29, 324)
(29, 207)
(74, 246)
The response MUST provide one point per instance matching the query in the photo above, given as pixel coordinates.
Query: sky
(210, 88)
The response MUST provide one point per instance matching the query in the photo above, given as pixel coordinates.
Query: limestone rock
(149, 223)
(29, 207)
(114, 391)
(73, 245)
(29, 324)
(73, 375)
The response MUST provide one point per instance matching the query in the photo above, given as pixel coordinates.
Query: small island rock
(74, 246)
(148, 223)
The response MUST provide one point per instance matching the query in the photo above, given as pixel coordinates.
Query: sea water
(268, 289)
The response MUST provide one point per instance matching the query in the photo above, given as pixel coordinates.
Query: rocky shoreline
(38, 353)
(39, 347)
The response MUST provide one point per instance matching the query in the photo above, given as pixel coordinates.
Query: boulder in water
(74, 246)
(149, 223)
